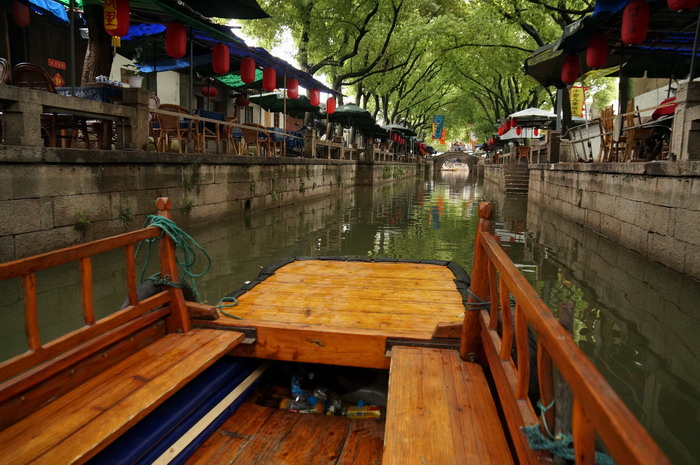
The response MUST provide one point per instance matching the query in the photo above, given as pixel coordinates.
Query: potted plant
(134, 76)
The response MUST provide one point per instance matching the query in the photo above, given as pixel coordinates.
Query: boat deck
(346, 309)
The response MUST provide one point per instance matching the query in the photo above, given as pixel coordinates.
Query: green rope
(185, 253)
(480, 303)
(221, 305)
(560, 444)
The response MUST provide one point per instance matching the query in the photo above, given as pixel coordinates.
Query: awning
(666, 52)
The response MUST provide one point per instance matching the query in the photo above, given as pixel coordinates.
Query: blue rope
(186, 249)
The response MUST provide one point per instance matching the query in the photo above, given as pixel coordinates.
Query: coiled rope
(186, 250)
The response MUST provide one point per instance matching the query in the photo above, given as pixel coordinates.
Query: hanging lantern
(220, 59)
(269, 79)
(683, 4)
(315, 97)
(292, 88)
(635, 22)
(175, 40)
(116, 17)
(248, 70)
(242, 101)
(518, 130)
(536, 132)
(210, 91)
(20, 14)
(507, 125)
(513, 122)
(330, 105)
(597, 51)
(570, 69)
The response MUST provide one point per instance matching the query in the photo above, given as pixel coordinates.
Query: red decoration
(248, 70)
(210, 91)
(513, 122)
(315, 97)
(683, 4)
(116, 17)
(269, 79)
(175, 40)
(518, 130)
(570, 69)
(220, 59)
(635, 22)
(536, 132)
(330, 105)
(597, 51)
(242, 101)
(292, 88)
(20, 14)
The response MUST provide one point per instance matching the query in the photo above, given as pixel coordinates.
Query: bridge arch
(464, 157)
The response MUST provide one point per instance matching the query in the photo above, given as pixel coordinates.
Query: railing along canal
(596, 407)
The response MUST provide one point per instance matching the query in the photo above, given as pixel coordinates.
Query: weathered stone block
(34, 181)
(164, 176)
(653, 218)
(44, 241)
(95, 207)
(667, 251)
(214, 193)
(633, 237)
(687, 227)
(111, 178)
(672, 192)
(626, 209)
(240, 190)
(19, 216)
(610, 227)
(7, 249)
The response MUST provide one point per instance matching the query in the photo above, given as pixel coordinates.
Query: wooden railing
(596, 407)
(41, 361)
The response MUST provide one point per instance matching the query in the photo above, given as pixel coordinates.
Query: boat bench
(440, 411)
(84, 421)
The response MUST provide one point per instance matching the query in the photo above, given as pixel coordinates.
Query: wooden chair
(5, 72)
(153, 125)
(233, 137)
(606, 128)
(179, 128)
(257, 138)
(632, 137)
(205, 130)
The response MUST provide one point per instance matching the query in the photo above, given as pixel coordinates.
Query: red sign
(57, 64)
(58, 80)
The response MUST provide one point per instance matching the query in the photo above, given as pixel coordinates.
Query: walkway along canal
(633, 317)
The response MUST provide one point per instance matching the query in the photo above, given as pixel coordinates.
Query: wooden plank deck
(342, 312)
(263, 435)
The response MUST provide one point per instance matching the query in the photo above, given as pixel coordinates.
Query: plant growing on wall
(83, 220)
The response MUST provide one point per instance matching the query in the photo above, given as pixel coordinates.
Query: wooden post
(179, 320)
(471, 341)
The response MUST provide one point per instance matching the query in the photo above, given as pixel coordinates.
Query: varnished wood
(451, 330)
(86, 290)
(23, 362)
(523, 350)
(625, 438)
(201, 311)
(584, 436)
(31, 320)
(546, 382)
(440, 411)
(32, 264)
(493, 295)
(84, 421)
(506, 321)
(130, 262)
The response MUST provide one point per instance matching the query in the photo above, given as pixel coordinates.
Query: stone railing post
(685, 141)
(22, 123)
(135, 134)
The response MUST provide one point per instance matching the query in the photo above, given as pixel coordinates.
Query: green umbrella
(400, 129)
(274, 101)
(352, 115)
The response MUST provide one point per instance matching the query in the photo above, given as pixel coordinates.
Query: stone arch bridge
(461, 156)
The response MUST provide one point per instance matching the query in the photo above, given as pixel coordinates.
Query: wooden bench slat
(440, 410)
(81, 423)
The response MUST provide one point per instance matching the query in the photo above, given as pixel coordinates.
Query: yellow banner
(577, 95)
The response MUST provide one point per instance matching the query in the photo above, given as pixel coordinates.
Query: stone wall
(54, 198)
(652, 208)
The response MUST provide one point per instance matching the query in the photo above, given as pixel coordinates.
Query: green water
(637, 320)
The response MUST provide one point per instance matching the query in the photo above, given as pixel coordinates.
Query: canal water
(635, 319)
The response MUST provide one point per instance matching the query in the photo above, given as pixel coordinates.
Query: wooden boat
(163, 380)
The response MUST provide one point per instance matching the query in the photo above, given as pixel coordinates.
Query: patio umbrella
(531, 117)
(400, 129)
(352, 115)
(274, 102)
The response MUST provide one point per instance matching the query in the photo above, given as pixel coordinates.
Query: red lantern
(683, 4)
(292, 88)
(508, 125)
(269, 79)
(210, 91)
(20, 14)
(248, 70)
(536, 132)
(597, 51)
(635, 22)
(315, 97)
(175, 40)
(570, 69)
(242, 101)
(518, 130)
(220, 59)
(116, 17)
(330, 105)
(513, 122)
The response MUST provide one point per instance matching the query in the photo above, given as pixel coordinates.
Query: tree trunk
(566, 111)
(98, 56)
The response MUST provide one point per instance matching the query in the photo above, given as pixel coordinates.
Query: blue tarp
(49, 7)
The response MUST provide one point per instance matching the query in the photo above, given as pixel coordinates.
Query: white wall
(169, 87)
